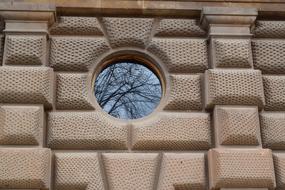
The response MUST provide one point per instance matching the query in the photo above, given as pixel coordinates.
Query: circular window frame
(135, 55)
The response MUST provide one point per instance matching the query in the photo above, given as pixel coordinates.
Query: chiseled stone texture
(123, 32)
(241, 168)
(72, 91)
(272, 129)
(174, 131)
(279, 163)
(181, 55)
(75, 53)
(234, 87)
(232, 53)
(182, 171)
(269, 55)
(68, 25)
(21, 125)
(237, 125)
(25, 168)
(269, 29)
(274, 91)
(79, 170)
(130, 171)
(84, 130)
(25, 50)
(26, 85)
(1, 47)
(185, 92)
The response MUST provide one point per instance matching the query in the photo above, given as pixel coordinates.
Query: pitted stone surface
(84, 130)
(269, 55)
(185, 92)
(274, 90)
(25, 168)
(237, 125)
(279, 164)
(25, 50)
(130, 171)
(182, 171)
(174, 131)
(1, 47)
(21, 125)
(179, 28)
(26, 85)
(269, 29)
(232, 53)
(234, 87)
(128, 31)
(68, 25)
(79, 170)
(76, 53)
(272, 129)
(181, 55)
(72, 91)
(241, 168)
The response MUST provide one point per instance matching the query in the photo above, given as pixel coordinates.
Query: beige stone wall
(220, 123)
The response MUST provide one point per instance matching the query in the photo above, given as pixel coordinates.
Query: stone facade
(220, 123)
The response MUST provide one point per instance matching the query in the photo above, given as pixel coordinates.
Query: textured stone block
(241, 168)
(25, 168)
(272, 129)
(27, 85)
(182, 171)
(25, 50)
(79, 170)
(128, 31)
(68, 25)
(179, 28)
(181, 55)
(269, 29)
(279, 164)
(174, 131)
(236, 125)
(130, 171)
(269, 55)
(231, 53)
(76, 53)
(1, 48)
(185, 93)
(85, 130)
(274, 90)
(72, 91)
(234, 87)
(21, 125)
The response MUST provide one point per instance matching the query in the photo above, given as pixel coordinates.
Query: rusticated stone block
(25, 168)
(130, 171)
(27, 85)
(269, 29)
(72, 91)
(241, 168)
(21, 125)
(84, 130)
(279, 163)
(234, 87)
(269, 55)
(25, 50)
(181, 55)
(274, 90)
(182, 171)
(76, 53)
(179, 28)
(272, 129)
(128, 31)
(174, 131)
(79, 170)
(185, 93)
(237, 125)
(231, 53)
(68, 25)
(1, 47)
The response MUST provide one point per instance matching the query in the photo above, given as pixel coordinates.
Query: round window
(127, 89)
